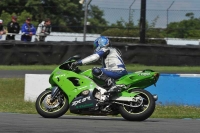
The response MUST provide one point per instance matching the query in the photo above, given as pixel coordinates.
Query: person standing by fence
(43, 30)
(2, 30)
(28, 30)
(12, 27)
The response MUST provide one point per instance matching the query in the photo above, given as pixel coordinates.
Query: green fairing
(138, 79)
(127, 94)
(60, 78)
(87, 73)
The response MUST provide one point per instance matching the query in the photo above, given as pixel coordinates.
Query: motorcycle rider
(113, 66)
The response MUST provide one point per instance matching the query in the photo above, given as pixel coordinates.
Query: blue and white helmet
(101, 42)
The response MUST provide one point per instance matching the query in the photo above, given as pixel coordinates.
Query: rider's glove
(76, 63)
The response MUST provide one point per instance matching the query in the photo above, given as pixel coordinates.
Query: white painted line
(189, 75)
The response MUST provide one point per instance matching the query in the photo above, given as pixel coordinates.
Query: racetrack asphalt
(33, 123)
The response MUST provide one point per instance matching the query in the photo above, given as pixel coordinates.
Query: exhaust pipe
(155, 97)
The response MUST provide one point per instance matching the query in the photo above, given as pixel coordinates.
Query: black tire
(143, 111)
(62, 105)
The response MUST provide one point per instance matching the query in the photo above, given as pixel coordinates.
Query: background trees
(97, 22)
(189, 28)
(66, 15)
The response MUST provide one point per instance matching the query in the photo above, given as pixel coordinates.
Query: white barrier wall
(34, 85)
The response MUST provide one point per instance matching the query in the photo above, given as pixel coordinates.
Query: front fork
(54, 92)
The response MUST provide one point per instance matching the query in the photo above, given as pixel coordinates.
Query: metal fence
(162, 17)
(157, 23)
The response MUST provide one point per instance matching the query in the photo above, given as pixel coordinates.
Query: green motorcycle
(81, 93)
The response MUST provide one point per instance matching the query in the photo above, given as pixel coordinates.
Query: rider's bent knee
(96, 71)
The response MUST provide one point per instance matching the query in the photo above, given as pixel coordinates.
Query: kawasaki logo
(145, 74)
(74, 103)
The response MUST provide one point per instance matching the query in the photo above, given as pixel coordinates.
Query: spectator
(2, 30)
(44, 29)
(27, 30)
(12, 27)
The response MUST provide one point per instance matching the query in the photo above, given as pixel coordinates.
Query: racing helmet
(101, 42)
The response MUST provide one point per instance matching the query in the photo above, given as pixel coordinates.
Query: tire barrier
(47, 53)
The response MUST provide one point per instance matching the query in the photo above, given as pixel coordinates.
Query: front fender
(48, 88)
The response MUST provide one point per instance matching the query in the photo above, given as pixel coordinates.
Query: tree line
(68, 16)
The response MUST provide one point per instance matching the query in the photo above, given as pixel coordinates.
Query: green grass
(12, 100)
(28, 67)
(12, 91)
(12, 97)
(130, 68)
(174, 111)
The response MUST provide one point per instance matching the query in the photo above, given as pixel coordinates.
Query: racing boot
(112, 87)
(110, 84)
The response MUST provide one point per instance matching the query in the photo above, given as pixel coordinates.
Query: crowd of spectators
(27, 29)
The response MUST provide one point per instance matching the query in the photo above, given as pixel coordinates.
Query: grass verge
(130, 68)
(12, 97)
(12, 100)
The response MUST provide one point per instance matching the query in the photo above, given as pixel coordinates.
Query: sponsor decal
(82, 87)
(59, 72)
(74, 103)
(144, 74)
(61, 75)
(84, 106)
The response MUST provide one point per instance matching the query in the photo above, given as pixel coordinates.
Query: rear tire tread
(142, 116)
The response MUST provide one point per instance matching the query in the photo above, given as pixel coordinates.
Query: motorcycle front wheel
(141, 108)
(48, 109)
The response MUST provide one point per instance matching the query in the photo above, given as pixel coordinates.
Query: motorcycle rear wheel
(49, 109)
(143, 109)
